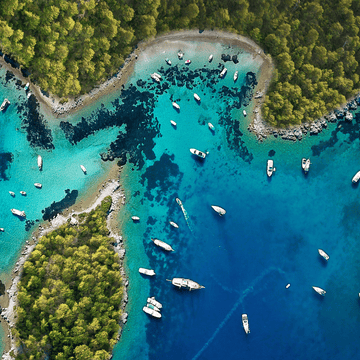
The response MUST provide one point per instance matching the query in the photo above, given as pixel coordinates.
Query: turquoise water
(268, 238)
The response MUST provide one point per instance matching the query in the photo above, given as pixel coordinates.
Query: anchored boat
(173, 123)
(320, 291)
(162, 244)
(149, 272)
(12, 193)
(223, 72)
(356, 177)
(176, 106)
(305, 164)
(83, 168)
(245, 322)
(219, 210)
(236, 75)
(175, 225)
(187, 62)
(38, 185)
(135, 218)
(198, 153)
(153, 301)
(211, 126)
(152, 312)
(168, 61)
(156, 78)
(4, 104)
(197, 97)
(18, 212)
(186, 283)
(39, 162)
(211, 57)
(270, 168)
(23, 193)
(324, 254)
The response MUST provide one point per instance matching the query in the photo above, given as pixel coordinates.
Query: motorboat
(287, 286)
(348, 116)
(174, 224)
(211, 126)
(39, 162)
(187, 62)
(186, 283)
(23, 193)
(211, 58)
(168, 61)
(4, 104)
(157, 75)
(223, 72)
(154, 77)
(152, 312)
(320, 291)
(38, 185)
(196, 97)
(12, 193)
(324, 254)
(198, 153)
(270, 167)
(26, 86)
(176, 105)
(135, 218)
(2, 229)
(29, 94)
(144, 271)
(305, 164)
(244, 112)
(236, 75)
(245, 322)
(151, 306)
(356, 177)
(180, 55)
(18, 212)
(219, 210)
(83, 168)
(153, 301)
(162, 244)
(173, 123)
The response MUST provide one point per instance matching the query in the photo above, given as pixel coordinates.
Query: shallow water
(268, 238)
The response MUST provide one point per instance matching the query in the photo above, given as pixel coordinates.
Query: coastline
(109, 187)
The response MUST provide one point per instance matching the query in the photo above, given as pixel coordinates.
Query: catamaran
(186, 283)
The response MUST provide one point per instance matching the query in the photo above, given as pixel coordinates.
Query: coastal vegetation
(70, 46)
(70, 293)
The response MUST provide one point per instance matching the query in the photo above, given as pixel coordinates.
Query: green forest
(70, 293)
(70, 46)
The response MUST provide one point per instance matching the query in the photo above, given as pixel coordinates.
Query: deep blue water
(268, 238)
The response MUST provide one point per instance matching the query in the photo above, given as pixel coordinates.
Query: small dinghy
(187, 62)
(219, 210)
(270, 168)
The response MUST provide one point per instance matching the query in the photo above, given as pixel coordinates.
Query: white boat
(186, 283)
(287, 286)
(324, 254)
(198, 153)
(18, 212)
(305, 164)
(83, 168)
(135, 218)
(245, 322)
(29, 94)
(356, 177)
(320, 291)
(38, 185)
(236, 75)
(197, 97)
(174, 224)
(173, 123)
(168, 61)
(39, 162)
(144, 271)
(211, 126)
(244, 112)
(223, 72)
(157, 75)
(11, 193)
(176, 106)
(4, 104)
(211, 58)
(151, 306)
(219, 210)
(2, 229)
(154, 77)
(270, 167)
(348, 116)
(162, 244)
(153, 301)
(152, 312)
(187, 62)
(23, 193)
(180, 54)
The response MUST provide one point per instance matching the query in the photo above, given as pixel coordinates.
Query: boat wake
(242, 296)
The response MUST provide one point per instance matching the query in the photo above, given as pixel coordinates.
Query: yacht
(39, 162)
(38, 185)
(245, 322)
(305, 164)
(152, 312)
(244, 112)
(186, 283)
(4, 104)
(154, 77)
(146, 271)
(197, 97)
(18, 212)
(153, 307)
(223, 72)
(324, 254)
(162, 244)
(198, 153)
(236, 75)
(219, 210)
(180, 55)
(187, 62)
(320, 291)
(173, 123)
(135, 218)
(168, 61)
(211, 58)
(211, 126)
(153, 301)
(176, 106)
(12, 193)
(23, 193)
(356, 177)
(270, 168)
(174, 224)
(83, 168)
